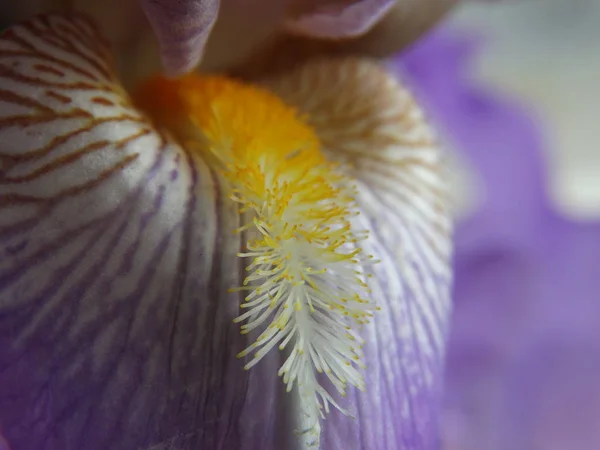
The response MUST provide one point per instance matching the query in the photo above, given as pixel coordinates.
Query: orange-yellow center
(303, 276)
(233, 120)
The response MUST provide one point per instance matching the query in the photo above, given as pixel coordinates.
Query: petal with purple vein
(116, 254)
(183, 28)
(370, 124)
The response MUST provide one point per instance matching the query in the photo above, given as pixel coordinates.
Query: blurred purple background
(512, 88)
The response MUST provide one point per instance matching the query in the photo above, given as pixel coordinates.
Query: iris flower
(142, 231)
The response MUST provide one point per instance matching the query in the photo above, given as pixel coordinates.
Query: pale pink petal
(352, 20)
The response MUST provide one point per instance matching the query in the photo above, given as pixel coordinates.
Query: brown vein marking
(384, 143)
(48, 69)
(86, 27)
(48, 38)
(50, 116)
(91, 39)
(61, 139)
(7, 33)
(16, 99)
(58, 163)
(61, 98)
(67, 47)
(102, 101)
(35, 51)
(367, 116)
(10, 35)
(77, 25)
(62, 37)
(9, 73)
(7, 54)
(122, 143)
(6, 164)
(14, 199)
(358, 158)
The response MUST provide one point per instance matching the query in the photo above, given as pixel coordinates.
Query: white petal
(116, 254)
(367, 121)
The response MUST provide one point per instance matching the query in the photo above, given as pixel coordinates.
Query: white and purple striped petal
(116, 254)
(183, 28)
(369, 123)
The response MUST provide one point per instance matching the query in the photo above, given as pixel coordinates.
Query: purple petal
(523, 365)
(489, 132)
(116, 256)
(352, 20)
(523, 359)
(183, 28)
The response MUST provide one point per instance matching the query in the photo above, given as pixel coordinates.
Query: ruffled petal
(351, 20)
(182, 27)
(116, 255)
(369, 123)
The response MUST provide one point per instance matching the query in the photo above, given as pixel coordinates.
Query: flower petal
(182, 27)
(352, 20)
(116, 254)
(369, 123)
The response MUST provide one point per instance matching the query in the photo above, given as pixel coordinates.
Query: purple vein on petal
(404, 349)
(113, 298)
